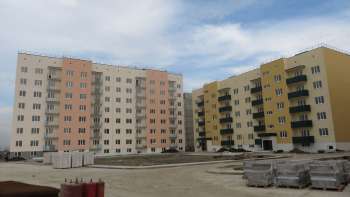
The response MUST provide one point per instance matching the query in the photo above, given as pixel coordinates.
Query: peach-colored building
(64, 104)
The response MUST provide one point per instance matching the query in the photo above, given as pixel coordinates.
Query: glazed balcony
(300, 108)
(258, 115)
(200, 103)
(257, 102)
(259, 128)
(256, 90)
(297, 94)
(301, 124)
(296, 79)
(304, 140)
(200, 113)
(224, 98)
(225, 109)
(226, 120)
(201, 134)
(226, 131)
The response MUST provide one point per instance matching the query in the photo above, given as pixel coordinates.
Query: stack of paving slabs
(77, 159)
(347, 170)
(61, 160)
(88, 158)
(47, 158)
(260, 173)
(328, 174)
(293, 174)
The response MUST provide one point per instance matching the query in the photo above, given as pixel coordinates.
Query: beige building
(64, 104)
(290, 103)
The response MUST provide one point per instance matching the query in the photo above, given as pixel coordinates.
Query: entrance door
(267, 144)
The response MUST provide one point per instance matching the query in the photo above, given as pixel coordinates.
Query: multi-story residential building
(298, 102)
(189, 135)
(65, 104)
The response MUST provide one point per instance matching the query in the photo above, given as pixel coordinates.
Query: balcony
(226, 120)
(224, 98)
(201, 134)
(52, 112)
(96, 92)
(50, 136)
(301, 108)
(96, 125)
(225, 109)
(51, 124)
(257, 102)
(141, 146)
(258, 115)
(227, 143)
(54, 77)
(298, 93)
(53, 100)
(173, 135)
(95, 135)
(201, 113)
(96, 147)
(256, 90)
(200, 103)
(271, 134)
(301, 124)
(53, 88)
(201, 123)
(97, 82)
(297, 79)
(259, 128)
(49, 148)
(304, 140)
(226, 131)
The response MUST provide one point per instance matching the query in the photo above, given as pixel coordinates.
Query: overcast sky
(203, 40)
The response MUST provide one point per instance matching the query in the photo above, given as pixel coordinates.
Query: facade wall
(107, 113)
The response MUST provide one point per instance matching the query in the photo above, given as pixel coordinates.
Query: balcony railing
(258, 115)
(173, 135)
(224, 98)
(201, 123)
(297, 79)
(227, 143)
(257, 102)
(298, 93)
(301, 124)
(226, 131)
(259, 128)
(201, 134)
(304, 140)
(300, 108)
(225, 109)
(256, 90)
(226, 120)
(201, 113)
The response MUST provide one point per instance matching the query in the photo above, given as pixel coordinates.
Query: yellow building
(298, 102)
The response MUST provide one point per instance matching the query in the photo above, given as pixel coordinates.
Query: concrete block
(77, 159)
(62, 160)
(47, 158)
(88, 158)
(328, 174)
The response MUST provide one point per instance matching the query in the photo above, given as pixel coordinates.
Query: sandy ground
(178, 181)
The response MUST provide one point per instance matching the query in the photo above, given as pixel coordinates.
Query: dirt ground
(171, 182)
(159, 159)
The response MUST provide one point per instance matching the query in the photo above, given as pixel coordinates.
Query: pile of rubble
(333, 174)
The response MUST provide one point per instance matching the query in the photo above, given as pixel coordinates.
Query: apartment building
(65, 104)
(299, 102)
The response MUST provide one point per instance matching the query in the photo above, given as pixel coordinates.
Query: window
(36, 106)
(246, 88)
(247, 100)
(282, 119)
(19, 143)
(279, 91)
(37, 94)
(23, 81)
(128, 131)
(69, 73)
(280, 105)
(67, 130)
(66, 142)
(81, 130)
(235, 91)
(83, 75)
(68, 95)
(315, 69)
(82, 96)
(317, 84)
(21, 105)
(118, 79)
(118, 89)
(19, 130)
(106, 131)
(321, 115)
(82, 107)
(34, 142)
(67, 118)
(128, 141)
(128, 121)
(283, 134)
(82, 85)
(24, 69)
(248, 111)
(323, 131)
(107, 78)
(236, 102)
(38, 71)
(81, 142)
(38, 82)
(22, 93)
(319, 100)
(128, 80)
(69, 84)
(35, 118)
(35, 131)
(277, 78)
